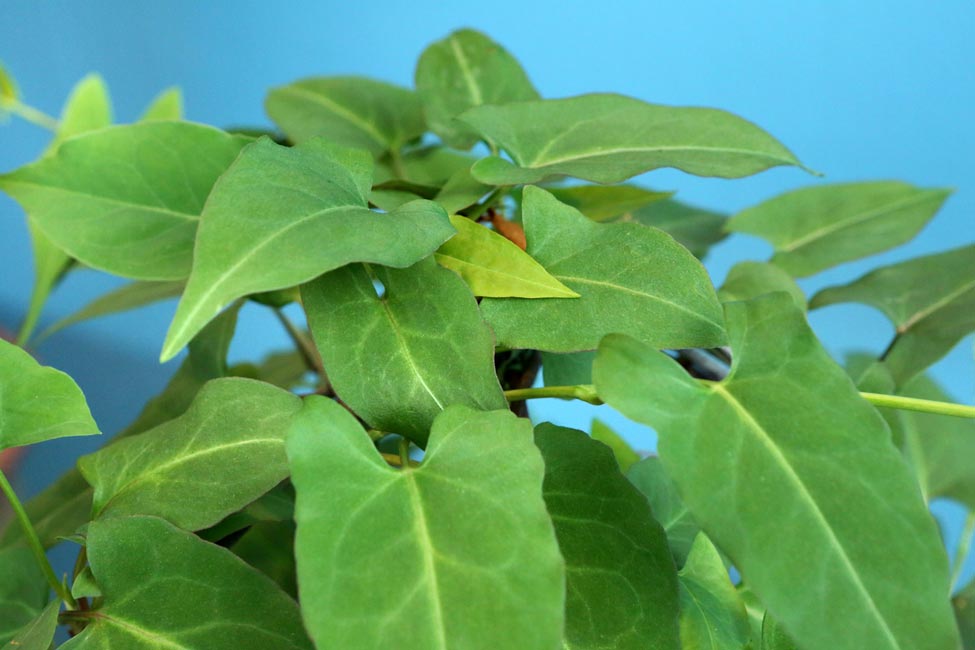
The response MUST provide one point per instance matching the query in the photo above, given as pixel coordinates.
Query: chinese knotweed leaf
(712, 614)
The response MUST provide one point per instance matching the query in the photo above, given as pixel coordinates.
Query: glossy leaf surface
(270, 205)
(631, 279)
(814, 228)
(760, 442)
(456, 553)
(606, 202)
(747, 280)
(223, 453)
(930, 300)
(464, 70)
(166, 588)
(23, 591)
(348, 111)
(712, 615)
(608, 138)
(400, 359)
(37, 402)
(92, 198)
(650, 477)
(492, 265)
(621, 583)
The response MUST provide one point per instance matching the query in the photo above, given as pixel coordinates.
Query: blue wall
(859, 90)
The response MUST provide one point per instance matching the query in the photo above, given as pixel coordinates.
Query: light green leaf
(166, 106)
(224, 452)
(50, 266)
(650, 477)
(125, 298)
(461, 191)
(85, 586)
(760, 442)
(270, 205)
(814, 228)
(774, 637)
(606, 138)
(621, 583)
(747, 280)
(39, 633)
(456, 553)
(567, 369)
(695, 228)
(399, 360)
(492, 265)
(930, 300)
(429, 165)
(165, 588)
(348, 111)
(37, 402)
(603, 203)
(712, 615)
(23, 591)
(464, 70)
(126, 199)
(56, 512)
(389, 200)
(631, 279)
(8, 87)
(625, 455)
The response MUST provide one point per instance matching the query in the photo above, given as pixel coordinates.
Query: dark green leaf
(224, 452)
(492, 265)
(930, 300)
(400, 359)
(167, 105)
(695, 228)
(269, 206)
(39, 633)
(760, 442)
(603, 203)
(464, 70)
(84, 586)
(23, 591)
(456, 553)
(608, 138)
(815, 228)
(567, 369)
(38, 403)
(126, 199)
(712, 615)
(747, 280)
(349, 111)
(276, 506)
(57, 512)
(631, 279)
(625, 455)
(286, 369)
(621, 582)
(964, 604)
(650, 477)
(268, 546)
(166, 588)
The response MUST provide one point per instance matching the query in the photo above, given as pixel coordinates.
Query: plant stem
(961, 553)
(921, 405)
(584, 392)
(35, 543)
(307, 349)
(482, 207)
(30, 114)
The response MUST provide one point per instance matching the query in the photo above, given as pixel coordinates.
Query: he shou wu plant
(378, 486)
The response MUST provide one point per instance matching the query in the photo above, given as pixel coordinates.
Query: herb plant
(379, 485)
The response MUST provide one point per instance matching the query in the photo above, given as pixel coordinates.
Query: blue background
(859, 90)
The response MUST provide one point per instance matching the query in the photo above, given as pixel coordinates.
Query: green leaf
(125, 298)
(650, 477)
(456, 553)
(399, 360)
(85, 586)
(774, 637)
(492, 265)
(695, 228)
(760, 443)
(126, 199)
(964, 604)
(56, 512)
(815, 228)
(8, 87)
(275, 506)
(349, 111)
(747, 280)
(50, 266)
(224, 452)
(430, 165)
(930, 300)
(38, 403)
(461, 191)
(464, 70)
(626, 457)
(268, 546)
(567, 369)
(23, 591)
(270, 205)
(621, 583)
(166, 588)
(39, 633)
(166, 106)
(606, 138)
(712, 615)
(631, 279)
(603, 203)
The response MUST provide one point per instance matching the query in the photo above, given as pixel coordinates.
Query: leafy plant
(379, 486)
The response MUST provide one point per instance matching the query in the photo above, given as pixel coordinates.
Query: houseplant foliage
(378, 485)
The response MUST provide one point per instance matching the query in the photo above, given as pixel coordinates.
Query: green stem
(585, 392)
(475, 212)
(396, 158)
(921, 405)
(961, 553)
(35, 543)
(30, 114)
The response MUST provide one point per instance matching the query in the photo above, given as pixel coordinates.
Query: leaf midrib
(541, 164)
(938, 304)
(428, 551)
(515, 279)
(342, 111)
(185, 216)
(475, 92)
